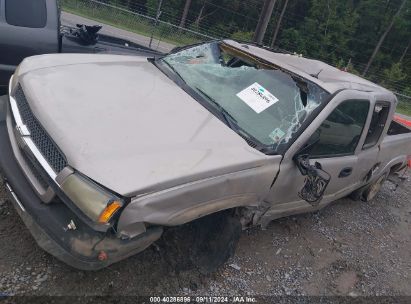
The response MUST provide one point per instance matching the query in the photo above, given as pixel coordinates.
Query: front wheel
(369, 192)
(216, 238)
(205, 244)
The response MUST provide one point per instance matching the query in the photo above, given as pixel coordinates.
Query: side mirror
(316, 180)
(303, 164)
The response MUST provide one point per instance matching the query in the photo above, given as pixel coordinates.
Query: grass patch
(404, 108)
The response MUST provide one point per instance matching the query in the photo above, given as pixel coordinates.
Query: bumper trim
(11, 192)
(73, 259)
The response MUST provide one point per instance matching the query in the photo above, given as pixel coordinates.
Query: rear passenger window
(379, 118)
(26, 13)
(339, 134)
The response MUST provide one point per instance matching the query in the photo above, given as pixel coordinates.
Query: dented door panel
(345, 170)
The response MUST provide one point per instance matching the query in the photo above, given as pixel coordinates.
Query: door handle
(345, 172)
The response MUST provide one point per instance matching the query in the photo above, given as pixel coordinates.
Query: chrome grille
(39, 136)
(34, 171)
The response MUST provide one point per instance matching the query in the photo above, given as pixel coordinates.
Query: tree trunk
(185, 13)
(277, 28)
(265, 16)
(384, 35)
(405, 52)
(200, 15)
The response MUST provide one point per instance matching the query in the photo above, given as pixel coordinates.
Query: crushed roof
(332, 78)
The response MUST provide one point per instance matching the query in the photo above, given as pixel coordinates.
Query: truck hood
(120, 121)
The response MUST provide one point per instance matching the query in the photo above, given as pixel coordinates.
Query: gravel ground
(348, 248)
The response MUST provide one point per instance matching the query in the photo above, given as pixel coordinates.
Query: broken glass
(268, 104)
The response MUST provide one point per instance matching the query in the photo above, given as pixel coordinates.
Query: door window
(339, 134)
(26, 13)
(379, 118)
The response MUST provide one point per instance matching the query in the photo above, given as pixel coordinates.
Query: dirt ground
(348, 248)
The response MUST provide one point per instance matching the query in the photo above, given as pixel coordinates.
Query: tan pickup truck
(102, 153)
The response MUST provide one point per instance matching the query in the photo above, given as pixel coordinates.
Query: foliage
(342, 33)
(393, 75)
(326, 31)
(242, 36)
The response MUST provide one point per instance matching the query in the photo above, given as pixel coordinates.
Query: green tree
(393, 75)
(326, 31)
(242, 36)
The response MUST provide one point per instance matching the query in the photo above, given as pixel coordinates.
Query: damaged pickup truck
(103, 153)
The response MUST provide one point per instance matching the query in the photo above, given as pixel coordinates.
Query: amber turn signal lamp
(109, 211)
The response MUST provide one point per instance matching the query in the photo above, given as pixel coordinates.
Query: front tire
(216, 238)
(204, 244)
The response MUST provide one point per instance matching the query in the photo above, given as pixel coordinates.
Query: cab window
(379, 118)
(26, 13)
(340, 133)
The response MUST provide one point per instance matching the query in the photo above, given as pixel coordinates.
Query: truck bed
(397, 128)
(395, 149)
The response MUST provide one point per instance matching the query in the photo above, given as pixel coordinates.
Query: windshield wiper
(174, 70)
(230, 120)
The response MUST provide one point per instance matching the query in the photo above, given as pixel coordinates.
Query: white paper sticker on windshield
(257, 98)
(276, 135)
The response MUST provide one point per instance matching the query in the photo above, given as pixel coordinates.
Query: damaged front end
(58, 230)
(56, 208)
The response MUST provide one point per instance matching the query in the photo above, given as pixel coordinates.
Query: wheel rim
(375, 188)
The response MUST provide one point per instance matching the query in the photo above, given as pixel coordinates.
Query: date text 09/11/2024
(205, 299)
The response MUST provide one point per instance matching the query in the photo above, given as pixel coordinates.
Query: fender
(187, 202)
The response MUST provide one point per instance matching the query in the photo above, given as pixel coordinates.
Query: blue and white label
(257, 97)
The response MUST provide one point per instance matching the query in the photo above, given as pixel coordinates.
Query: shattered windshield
(266, 103)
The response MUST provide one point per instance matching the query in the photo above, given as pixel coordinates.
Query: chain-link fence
(404, 104)
(152, 31)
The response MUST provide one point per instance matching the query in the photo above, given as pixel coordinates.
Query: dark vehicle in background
(32, 27)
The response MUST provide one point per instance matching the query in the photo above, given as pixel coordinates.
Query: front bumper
(82, 247)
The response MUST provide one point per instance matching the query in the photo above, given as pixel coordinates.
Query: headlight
(97, 203)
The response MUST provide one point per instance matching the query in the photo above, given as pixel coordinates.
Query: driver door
(335, 140)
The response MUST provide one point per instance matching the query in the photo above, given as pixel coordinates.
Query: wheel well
(205, 243)
(397, 167)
